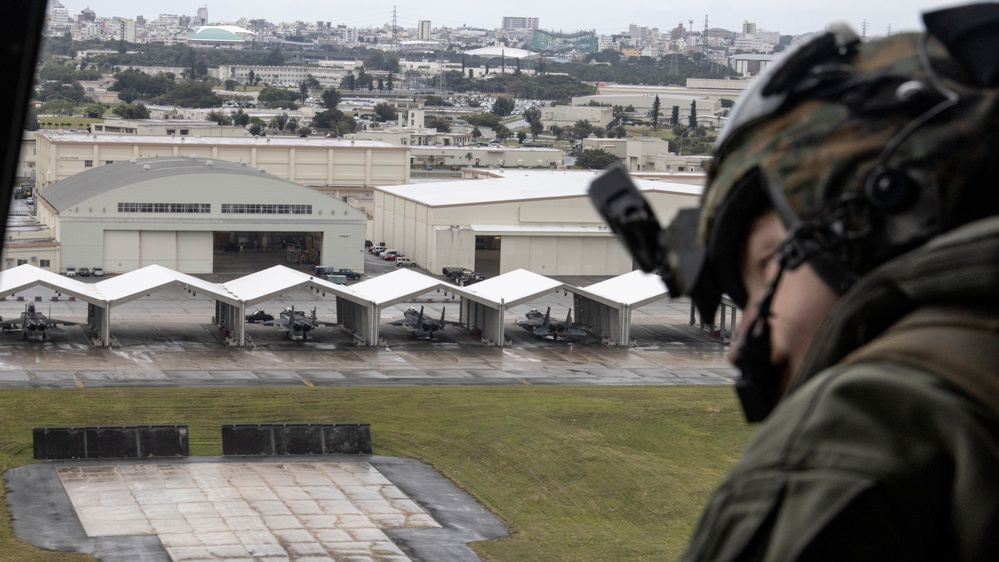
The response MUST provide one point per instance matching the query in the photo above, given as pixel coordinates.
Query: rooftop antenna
(441, 71)
(704, 38)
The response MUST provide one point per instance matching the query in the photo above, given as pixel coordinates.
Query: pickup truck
(348, 273)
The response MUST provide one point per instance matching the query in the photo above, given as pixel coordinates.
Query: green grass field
(581, 473)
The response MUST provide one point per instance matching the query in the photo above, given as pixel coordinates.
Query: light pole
(681, 141)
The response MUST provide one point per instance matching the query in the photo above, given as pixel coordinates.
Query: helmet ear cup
(890, 190)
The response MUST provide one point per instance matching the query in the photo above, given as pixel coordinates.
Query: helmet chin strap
(759, 386)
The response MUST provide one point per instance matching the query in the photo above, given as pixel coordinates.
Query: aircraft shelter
(605, 308)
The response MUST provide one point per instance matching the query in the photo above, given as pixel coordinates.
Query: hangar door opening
(128, 250)
(487, 254)
(249, 252)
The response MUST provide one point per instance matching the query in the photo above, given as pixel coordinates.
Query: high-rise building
(423, 30)
(59, 16)
(203, 15)
(127, 32)
(517, 24)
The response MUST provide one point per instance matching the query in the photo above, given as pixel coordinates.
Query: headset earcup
(890, 189)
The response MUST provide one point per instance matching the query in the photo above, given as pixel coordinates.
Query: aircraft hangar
(178, 211)
(540, 221)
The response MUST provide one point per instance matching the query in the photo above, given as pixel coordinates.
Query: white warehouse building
(540, 221)
(177, 211)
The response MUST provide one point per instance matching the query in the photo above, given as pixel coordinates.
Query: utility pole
(863, 31)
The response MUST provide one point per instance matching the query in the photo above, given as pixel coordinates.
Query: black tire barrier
(273, 439)
(111, 442)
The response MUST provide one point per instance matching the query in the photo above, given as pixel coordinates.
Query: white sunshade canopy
(264, 285)
(398, 286)
(633, 289)
(136, 284)
(27, 276)
(510, 289)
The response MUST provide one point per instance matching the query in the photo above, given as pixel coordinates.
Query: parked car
(348, 273)
(404, 261)
(377, 249)
(97, 272)
(70, 272)
(390, 252)
(84, 272)
(392, 257)
(30, 200)
(259, 316)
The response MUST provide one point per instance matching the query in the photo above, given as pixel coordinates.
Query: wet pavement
(168, 339)
(237, 509)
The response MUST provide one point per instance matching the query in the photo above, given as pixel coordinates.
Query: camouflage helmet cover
(820, 147)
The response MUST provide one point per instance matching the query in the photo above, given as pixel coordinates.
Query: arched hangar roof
(507, 52)
(213, 34)
(77, 188)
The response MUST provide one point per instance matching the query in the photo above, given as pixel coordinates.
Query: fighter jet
(421, 326)
(296, 324)
(542, 325)
(34, 325)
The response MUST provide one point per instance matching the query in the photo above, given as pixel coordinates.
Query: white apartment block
(515, 23)
(423, 30)
(328, 76)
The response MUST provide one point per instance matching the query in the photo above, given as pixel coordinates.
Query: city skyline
(776, 15)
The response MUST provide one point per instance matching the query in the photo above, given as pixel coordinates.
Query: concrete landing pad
(274, 509)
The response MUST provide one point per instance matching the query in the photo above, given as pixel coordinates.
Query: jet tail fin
(543, 328)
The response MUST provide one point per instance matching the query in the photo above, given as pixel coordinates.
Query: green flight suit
(886, 446)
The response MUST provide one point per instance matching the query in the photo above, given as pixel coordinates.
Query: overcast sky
(789, 17)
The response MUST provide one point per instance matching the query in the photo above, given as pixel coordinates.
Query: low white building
(642, 103)
(335, 166)
(487, 156)
(329, 76)
(568, 115)
(540, 221)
